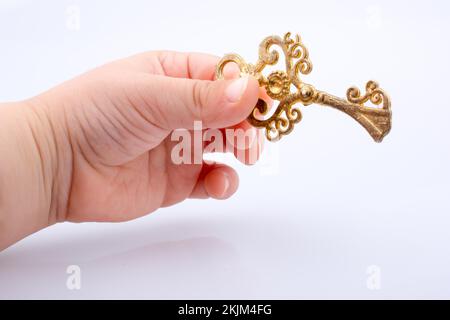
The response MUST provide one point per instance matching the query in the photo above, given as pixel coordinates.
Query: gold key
(279, 85)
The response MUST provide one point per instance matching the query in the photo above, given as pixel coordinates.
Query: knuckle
(199, 94)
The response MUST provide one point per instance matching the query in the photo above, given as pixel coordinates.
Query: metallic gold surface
(279, 85)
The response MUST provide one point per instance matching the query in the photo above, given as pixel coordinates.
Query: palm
(132, 189)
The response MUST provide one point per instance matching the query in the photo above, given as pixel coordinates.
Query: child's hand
(98, 148)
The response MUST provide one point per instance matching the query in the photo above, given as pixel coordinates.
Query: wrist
(31, 166)
(50, 121)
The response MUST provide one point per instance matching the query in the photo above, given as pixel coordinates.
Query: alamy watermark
(73, 281)
(191, 145)
(73, 18)
(373, 281)
(374, 17)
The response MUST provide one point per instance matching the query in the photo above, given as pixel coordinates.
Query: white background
(327, 204)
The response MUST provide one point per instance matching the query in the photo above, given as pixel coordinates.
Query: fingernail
(217, 184)
(226, 187)
(236, 89)
(221, 194)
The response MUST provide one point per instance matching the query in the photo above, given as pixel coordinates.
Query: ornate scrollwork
(373, 93)
(278, 86)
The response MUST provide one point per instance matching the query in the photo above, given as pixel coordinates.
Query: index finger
(193, 65)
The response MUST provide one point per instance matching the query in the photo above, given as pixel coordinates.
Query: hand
(99, 147)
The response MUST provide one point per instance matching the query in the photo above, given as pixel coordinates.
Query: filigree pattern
(278, 84)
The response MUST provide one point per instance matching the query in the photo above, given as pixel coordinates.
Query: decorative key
(279, 85)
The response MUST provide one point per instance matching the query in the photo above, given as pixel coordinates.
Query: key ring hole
(226, 68)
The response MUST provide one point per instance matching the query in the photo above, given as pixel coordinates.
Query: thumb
(178, 102)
